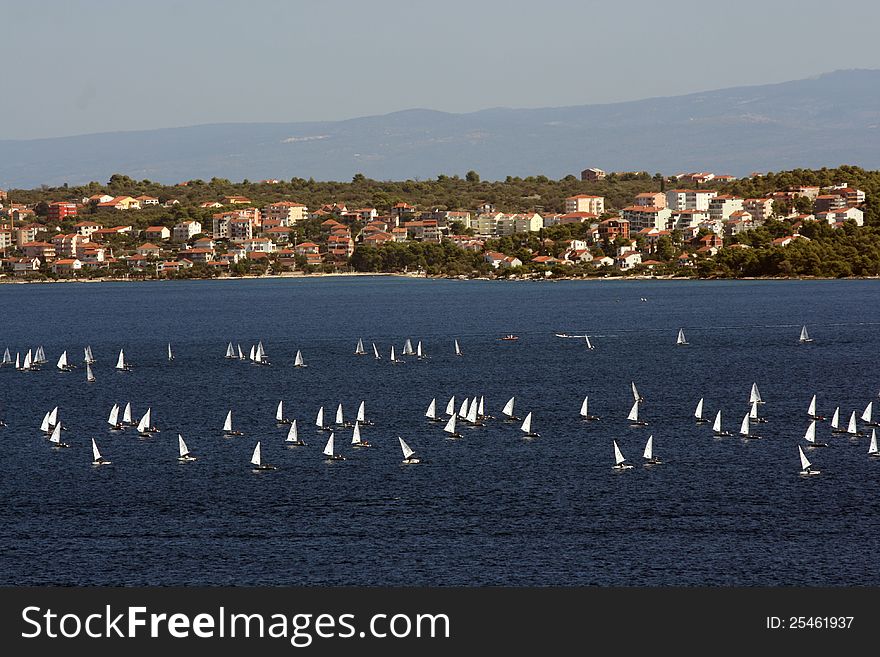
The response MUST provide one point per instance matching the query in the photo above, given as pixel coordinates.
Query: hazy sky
(79, 66)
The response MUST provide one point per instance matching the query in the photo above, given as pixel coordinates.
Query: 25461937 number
(810, 622)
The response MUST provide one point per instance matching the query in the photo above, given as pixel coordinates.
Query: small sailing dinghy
(257, 461)
(279, 414)
(340, 420)
(40, 356)
(7, 358)
(89, 358)
(126, 415)
(681, 339)
(409, 456)
(851, 427)
(319, 421)
(472, 417)
(648, 454)
(806, 466)
(17, 361)
(170, 355)
(755, 395)
(589, 344)
(28, 363)
(393, 358)
(260, 357)
(408, 348)
(90, 376)
(805, 337)
(227, 427)
(230, 352)
(872, 448)
(55, 438)
(121, 365)
(635, 391)
(376, 355)
(450, 428)
(113, 419)
(356, 440)
(745, 429)
(619, 460)
(145, 426)
(97, 459)
(585, 411)
(328, 451)
(450, 406)
(835, 422)
(810, 436)
(359, 348)
(298, 360)
(241, 355)
(293, 439)
(507, 411)
(457, 348)
(633, 416)
(431, 413)
(62, 363)
(753, 414)
(811, 410)
(716, 427)
(420, 355)
(698, 413)
(526, 427)
(867, 415)
(184, 455)
(361, 416)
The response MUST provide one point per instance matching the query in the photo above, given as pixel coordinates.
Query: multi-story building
(761, 209)
(683, 219)
(592, 175)
(651, 199)
(287, 213)
(423, 230)
(614, 227)
(66, 245)
(585, 203)
(42, 250)
(186, 230)
(643, 216)
(5, 239)
(722, 206)
(159, 233)
(60, 210)
(86, 228)
(689, 199)
(240, 229)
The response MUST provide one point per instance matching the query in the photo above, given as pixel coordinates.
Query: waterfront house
(377, 238)
(306, 248)
(197, 255)
(24, 266)
(66, 266)
(42, 250)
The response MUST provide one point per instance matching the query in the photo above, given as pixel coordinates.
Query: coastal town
(678, 226)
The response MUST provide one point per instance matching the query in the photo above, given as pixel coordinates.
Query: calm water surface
(490, 508)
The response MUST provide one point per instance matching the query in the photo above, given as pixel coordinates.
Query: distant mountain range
(828, 120)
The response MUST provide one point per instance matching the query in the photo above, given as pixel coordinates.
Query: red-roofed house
(158, 233)
(42, 250)
(66, 266)
(86, 228)
(148, 249)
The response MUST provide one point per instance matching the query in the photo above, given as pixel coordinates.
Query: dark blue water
(490, 508)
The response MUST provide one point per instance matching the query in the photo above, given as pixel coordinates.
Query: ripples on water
(489, 508)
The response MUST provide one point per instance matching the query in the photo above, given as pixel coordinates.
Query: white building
(645, 216)
(186, 230)
(585, 203)
(721, 207)
(689, 199)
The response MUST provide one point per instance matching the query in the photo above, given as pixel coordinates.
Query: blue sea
(488, 509)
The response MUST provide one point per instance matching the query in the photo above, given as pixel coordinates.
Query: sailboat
(53, 418)
(62, 363)
(698, 413)
(252, 354)
(90, 376)
(409, 457)
(145, 427)
(7, 358)
(805, 337)
(227, 426)
(126, 415)
(340, 421)
(635, 391)
(754, 395)
(361, 416)
(393, 358)
(359, 349)
(716, 426)
(851, 427)
(585, 411)
(835, 422)
(450, 428)
(97, 459)
(589, 344)
(40, 356)
(407, 348)
(27, 365)
(298, 360)
(810, 436)
(356, 440)
(319, 420)
(257, 461)
(17, 361)
(867, 415)
(55, 438)
(279, 414)
(872, 448)
(526, 427)
(376, 352)
(170, 355)
(121, 365)
(328, 451)
(806, 466)
(648, 454)
(811, 410)
(113, 419)
(753, 414)
(240, 354)
(633, 416)
(183, 451)
(89, 358)
(481, 409)
(681, 339)
(450, 406)
(471, 417)
(260, 357)
(457, 348)
(420, 355)
(431, 413)
(463, 410)
(507, 411)
(293, 439)
(230, 351)
(744, 429)
(619, 460)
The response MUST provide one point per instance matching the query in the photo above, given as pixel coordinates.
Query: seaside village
(95, 237)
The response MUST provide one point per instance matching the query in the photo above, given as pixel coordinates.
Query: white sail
(716, 426)
(450, 425)
(618, 455)
(253, 353)
(698, 412)
(44, 425)
(754, 395)
(227, 424)
(113, 418)
(356, 434)
(481, 408)
(805, 463)
(753, 411)
(86, 358)
(298, 361)
(634, 412)
(53, 416)
(589, 344)
(362, 413)
(868, 412)
(407, 452)
(872, 448)
(240, 354)
(181, 446)
(319, 420)
(804, 335)
(463, 411)
(810, 435)
(585, 405)
(457, 348)
(279, 412)
(256, 459)
(91, 356)
(126, 414)
(339, 419)
(230, 351)
(260, 350)
(328, 448)
(649, 448)
(26, 365)
(408, 348)
(56, 435)
(635, 391)
(450, 406)
(432, 410)
(527, 424)
(419, 349)
(144, 423)
(376, 352)
(851, 427)
(744, 426)
(811, 410)
(7, 358)
(359, 349)
(472, 412)
(96, 455)
(835, 419)
(681, 339)
(90, 377)
(17, 363)
(392, 354)
(258, 355)
(62, 360)
(170, 355)
(120, 362)
(292, 433)
(508, 407)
